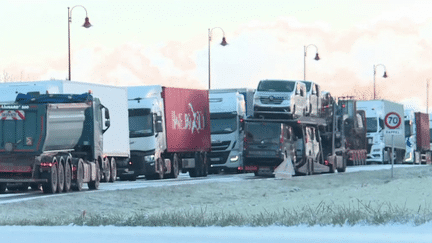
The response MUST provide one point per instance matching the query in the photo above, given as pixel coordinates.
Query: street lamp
(85, 25)
(304, 59)
(384, 76)
(223, 43)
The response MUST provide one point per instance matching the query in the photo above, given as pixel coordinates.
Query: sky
(165, 42)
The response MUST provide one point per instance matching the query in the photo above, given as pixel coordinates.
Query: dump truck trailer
(52, 140)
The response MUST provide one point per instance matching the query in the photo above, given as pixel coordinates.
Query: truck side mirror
(158, 124)
(107, 116)
(241, 123)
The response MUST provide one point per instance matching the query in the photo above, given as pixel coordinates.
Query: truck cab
(227, 112)
(267, 144)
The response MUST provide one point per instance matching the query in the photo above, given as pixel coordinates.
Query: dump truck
(52, 140)
(116, 140)
(169, 132)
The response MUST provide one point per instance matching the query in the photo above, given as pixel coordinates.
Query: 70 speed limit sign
(392, 120)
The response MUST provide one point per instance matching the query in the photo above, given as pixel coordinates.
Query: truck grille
(218, 157)
(218, 146)
(268, 100)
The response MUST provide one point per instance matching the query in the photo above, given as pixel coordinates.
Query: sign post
(392, 120)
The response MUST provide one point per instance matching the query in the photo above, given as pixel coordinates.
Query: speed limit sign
(392, 120)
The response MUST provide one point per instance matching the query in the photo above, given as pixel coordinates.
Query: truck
(385, 130)
(353, 124)
(294, 146)
(116, 140)
(52, 140)
(417, 137)
(169, 131)
(227, 112)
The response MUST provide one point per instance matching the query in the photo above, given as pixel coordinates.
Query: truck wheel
(61, 176)
(78, 184)
(113, 166)
(51, 185)
(68, 176)
(106, 171)
(310, 167)
(160, 174)
(2, 187)
(94, 185)
(343, 168)
(174, 167)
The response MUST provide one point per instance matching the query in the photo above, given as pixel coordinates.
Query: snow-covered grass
(365, 198)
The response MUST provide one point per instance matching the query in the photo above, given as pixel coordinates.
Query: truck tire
(51, 185)
(61, 176)
(113, 167)
(106, 171)
(68, 175)
(94, 185)
(198, 170)
(2, 187)
(78, 184)
(174, 167)
(343, 168)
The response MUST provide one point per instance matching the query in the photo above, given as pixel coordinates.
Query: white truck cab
(227, 112)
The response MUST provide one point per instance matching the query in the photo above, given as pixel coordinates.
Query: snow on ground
(274, 234)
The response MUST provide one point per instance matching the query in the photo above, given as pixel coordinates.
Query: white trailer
(381, 137)
(115, 140)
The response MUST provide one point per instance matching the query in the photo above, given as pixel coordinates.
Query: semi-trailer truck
(382, 134)
(115, 140)
(227, 113)
(417, 137)
(52, 140)
(169, 132)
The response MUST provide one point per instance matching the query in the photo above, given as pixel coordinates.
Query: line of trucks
(58, 135)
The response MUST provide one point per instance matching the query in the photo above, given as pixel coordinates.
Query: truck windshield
(372, 124)
(262, 132)
(223, 123)
(276, 86)
(140, 123)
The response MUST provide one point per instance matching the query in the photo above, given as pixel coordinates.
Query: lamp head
(385, 75)
(224, 43)
(87, 23)
(317, 57)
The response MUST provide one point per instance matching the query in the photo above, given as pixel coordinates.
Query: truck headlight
(149, 158)
(234, 158)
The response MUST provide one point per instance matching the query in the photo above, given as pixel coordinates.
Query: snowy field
(408, 190)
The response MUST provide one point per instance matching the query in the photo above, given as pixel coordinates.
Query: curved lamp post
(374, 72)
(85, 25)
(223, 43)
(304, 59)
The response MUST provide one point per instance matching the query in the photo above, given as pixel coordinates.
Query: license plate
(215, 159)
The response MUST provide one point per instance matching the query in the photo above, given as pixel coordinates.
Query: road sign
(392, 120)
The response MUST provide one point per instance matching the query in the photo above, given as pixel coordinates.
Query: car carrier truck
(115, 140)
(301, 146)
(169, 132)
(53, 140)
(417, 137)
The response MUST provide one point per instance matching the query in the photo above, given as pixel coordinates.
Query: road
(183, 179)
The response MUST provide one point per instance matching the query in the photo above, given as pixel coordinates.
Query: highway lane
(183, 179)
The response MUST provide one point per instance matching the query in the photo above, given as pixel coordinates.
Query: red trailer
(169, 132)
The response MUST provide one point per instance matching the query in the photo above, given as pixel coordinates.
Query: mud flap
(285, 170)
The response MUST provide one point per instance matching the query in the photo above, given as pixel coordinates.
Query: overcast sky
(166, 42)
